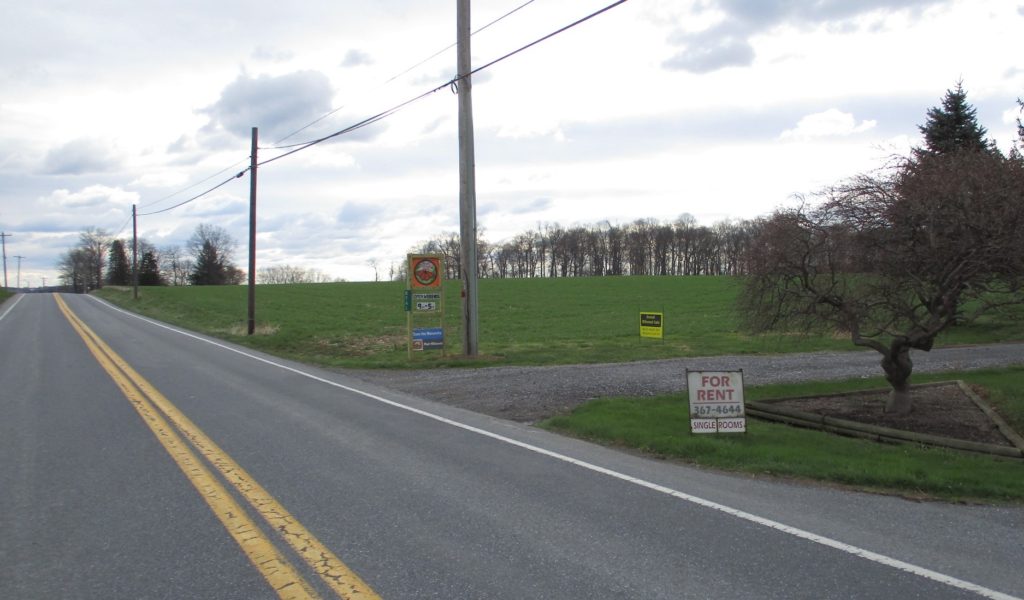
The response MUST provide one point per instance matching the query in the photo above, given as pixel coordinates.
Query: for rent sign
(716, 401)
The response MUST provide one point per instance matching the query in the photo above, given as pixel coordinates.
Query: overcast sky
(717, 108)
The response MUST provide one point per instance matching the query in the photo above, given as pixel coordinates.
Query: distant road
(123, 440)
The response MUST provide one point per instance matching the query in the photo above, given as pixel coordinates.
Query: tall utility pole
(252, 233)
(135, 254)
(19, 270)
(3, 244)
(467, 186)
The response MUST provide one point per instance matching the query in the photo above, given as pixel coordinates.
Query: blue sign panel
(427, 338)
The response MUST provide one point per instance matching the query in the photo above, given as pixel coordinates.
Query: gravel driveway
(531, 393)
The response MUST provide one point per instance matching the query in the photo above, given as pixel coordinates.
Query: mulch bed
(942, 410)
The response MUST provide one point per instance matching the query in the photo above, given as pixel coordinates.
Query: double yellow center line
(170, 426)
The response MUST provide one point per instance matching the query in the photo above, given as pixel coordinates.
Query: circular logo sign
(425, 272)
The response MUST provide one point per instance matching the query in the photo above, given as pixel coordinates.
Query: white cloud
(79, 157)
(727, 41)
(356, 58)
(276, 105)
(645, 111)
(266, 53)
(830, 123)
(90, 197)
(1011, 115)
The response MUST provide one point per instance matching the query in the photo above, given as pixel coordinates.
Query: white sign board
(716, 401)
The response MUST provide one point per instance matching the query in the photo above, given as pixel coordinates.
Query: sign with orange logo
(425, 271)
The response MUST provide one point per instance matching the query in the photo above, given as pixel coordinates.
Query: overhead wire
(452, 82)
(123, 225)
(197, 196)
(545, 38)
(196, 184)
(450, 46)
(294, 148)
(276, 145)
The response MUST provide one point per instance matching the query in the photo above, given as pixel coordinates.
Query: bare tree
(94, 243)
(643, 247)
(75, 270)
(894, 258)
(174, 265)
(285, 274)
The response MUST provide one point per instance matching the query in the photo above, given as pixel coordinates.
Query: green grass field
(522, 321)
(661, 426)
(4, 294)
(562, 321)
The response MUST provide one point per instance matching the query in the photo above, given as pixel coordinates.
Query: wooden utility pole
(135, 254)
(467, 186)
(19, 257)
(3, 244)
(252, 233)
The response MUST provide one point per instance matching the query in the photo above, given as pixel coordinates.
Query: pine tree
(149, 270)
(209, 268)
(211, 248)
(119, 271)
(954, 127)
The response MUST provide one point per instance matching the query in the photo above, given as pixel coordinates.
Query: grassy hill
(522, 321)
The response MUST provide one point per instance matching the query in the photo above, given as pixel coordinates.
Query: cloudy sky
(717, 108)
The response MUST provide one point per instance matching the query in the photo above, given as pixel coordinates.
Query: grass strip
(661, 426)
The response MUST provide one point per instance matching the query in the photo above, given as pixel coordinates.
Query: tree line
(207, 259)
(643, 247)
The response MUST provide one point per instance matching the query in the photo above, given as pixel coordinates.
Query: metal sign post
(424, 296)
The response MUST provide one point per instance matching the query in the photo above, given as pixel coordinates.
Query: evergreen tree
(119, 271)
(209, 267)
(1020, 124)
(954, 126)
(149, 270)
(211, 248)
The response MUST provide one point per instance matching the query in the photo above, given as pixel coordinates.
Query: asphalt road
(419, 499)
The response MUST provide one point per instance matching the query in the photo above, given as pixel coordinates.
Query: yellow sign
(425, 271)
(652, 325)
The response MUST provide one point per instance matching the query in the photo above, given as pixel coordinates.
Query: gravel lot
(529, 394)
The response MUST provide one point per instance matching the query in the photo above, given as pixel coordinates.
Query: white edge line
(796, 532)
(11, 307)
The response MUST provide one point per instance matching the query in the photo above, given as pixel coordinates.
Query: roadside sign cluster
(716, 401)
(424, 297)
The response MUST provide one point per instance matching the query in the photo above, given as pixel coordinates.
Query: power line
(548, 36)
(394, 77)
(364, 123)
(197, 196)
(294, 148)
(196, 184)
(453, 82)
(123, 225)
(449, 47)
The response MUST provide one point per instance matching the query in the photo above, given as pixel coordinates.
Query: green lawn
(661, 426)
(587, 320)
(4, 294)
(522, 321)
